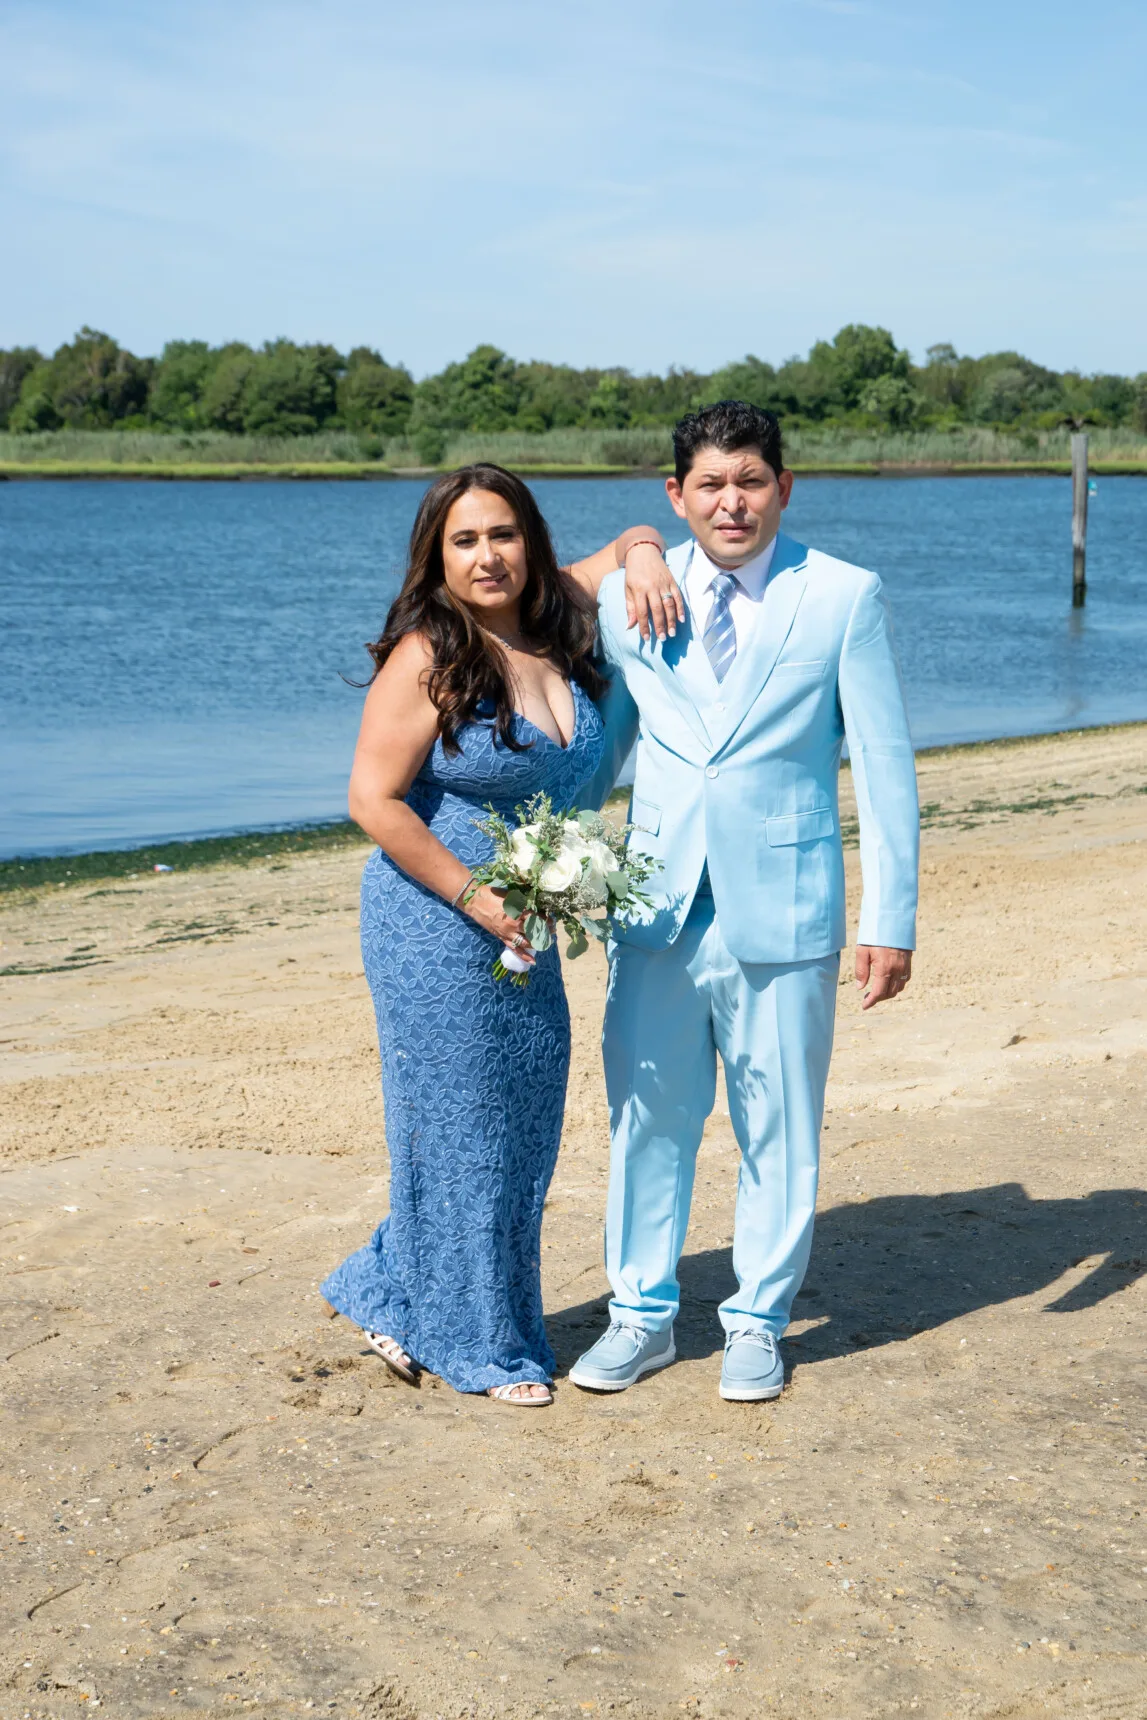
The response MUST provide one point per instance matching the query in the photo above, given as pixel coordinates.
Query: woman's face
(484, 554)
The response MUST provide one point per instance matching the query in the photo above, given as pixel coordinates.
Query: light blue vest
(746, 784)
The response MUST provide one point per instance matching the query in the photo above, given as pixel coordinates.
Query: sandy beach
(215, 1500)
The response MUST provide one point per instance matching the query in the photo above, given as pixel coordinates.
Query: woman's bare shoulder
(412, 653)
(410, 661)
(403, 681)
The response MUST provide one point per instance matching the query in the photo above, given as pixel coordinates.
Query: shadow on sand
(885, 1269)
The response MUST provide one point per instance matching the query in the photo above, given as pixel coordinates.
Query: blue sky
(611, 182)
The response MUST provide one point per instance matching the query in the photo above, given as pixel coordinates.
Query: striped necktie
(720, 637)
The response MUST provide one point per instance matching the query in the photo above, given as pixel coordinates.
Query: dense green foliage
(859, 381)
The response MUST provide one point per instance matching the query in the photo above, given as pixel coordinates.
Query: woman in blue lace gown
(484, 695)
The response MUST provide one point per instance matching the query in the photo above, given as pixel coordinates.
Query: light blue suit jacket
(751, 785)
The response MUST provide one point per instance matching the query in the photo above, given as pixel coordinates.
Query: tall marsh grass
(636, 448)
(644, 449)
(965, 444)
(152, 448)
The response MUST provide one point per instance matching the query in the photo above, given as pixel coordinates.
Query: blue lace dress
(473, 1080)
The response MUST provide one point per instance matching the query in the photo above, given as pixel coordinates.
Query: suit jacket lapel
(666, 654)
(751, 668)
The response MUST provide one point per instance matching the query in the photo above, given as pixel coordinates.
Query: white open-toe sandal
(505, 1394)
(394, 1356)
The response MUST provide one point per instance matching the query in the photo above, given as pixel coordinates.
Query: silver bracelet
(463, 890)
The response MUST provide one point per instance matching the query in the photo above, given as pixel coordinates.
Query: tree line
(860, 379)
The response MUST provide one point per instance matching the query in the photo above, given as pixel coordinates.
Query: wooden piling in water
(1078, 521)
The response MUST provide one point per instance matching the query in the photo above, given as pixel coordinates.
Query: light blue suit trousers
(668, 1014)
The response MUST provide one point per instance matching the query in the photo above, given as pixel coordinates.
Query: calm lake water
(170, 653)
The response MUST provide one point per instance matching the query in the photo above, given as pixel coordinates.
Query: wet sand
(215, 1500)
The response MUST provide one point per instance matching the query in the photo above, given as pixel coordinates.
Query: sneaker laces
(639, 1333)
(753, 1335)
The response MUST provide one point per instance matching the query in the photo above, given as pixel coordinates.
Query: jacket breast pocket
(646, 815)
(791, 827)
(811, 670)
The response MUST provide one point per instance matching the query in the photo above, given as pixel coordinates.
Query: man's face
(733, 503)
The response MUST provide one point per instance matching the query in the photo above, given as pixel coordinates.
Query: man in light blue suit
(772, 655)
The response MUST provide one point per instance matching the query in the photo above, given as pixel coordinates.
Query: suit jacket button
(712, 771)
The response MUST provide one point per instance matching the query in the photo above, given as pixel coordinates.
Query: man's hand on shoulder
(885, 972)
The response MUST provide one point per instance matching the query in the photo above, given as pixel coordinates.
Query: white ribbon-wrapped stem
(513, 962)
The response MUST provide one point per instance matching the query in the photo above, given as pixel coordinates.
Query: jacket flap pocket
(645, 815)
(811, 669)
(799, 827)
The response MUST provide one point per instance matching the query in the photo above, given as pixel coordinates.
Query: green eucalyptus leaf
(537, 931)
(514, 903)
(618, 884)
(598, 929)
(577, 945)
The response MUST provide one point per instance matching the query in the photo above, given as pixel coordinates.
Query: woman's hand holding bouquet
(559, 866)
(487, 909)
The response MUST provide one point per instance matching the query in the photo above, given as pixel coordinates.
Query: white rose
(602, 858)
(523, 848)
(599, 862)
(560, 872)
(573, 840)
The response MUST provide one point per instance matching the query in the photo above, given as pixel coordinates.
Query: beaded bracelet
(659, 547)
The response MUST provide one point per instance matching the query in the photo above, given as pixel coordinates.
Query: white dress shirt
(744, 607)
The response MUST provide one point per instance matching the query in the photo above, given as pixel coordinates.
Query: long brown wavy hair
(470, 666)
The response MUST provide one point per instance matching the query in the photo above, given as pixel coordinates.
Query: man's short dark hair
(727, 426)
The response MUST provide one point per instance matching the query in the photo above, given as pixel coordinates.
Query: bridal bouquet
(560, 866)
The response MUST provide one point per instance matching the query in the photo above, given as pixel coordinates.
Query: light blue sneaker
(622, 1356)
(752, 1368)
